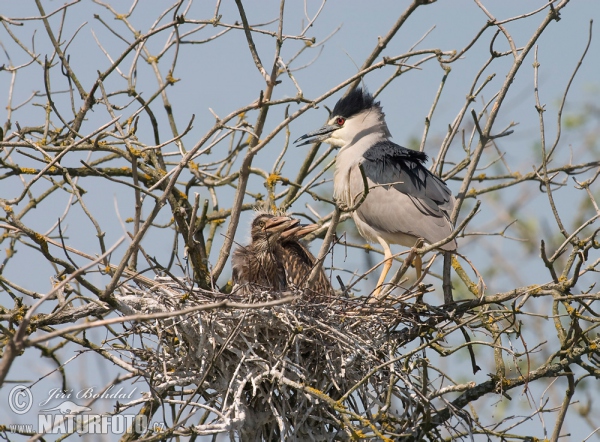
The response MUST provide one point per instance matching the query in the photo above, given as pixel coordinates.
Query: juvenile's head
(266, 229)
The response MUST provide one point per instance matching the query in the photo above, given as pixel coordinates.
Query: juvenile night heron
(299, 262)
(259, 265)
(276, 259)
(405, 201)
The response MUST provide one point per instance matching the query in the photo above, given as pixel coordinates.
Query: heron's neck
(266, 247)
(373, 129)
(362, 142)
(348, 157)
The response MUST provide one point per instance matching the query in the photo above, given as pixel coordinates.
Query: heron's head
(355, 115)
(266, 229)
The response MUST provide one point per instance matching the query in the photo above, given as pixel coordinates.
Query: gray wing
(404, 197)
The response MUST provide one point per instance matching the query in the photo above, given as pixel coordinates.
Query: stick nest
(300, 370)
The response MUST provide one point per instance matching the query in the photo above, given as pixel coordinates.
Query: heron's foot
(417, 263)
(375, 295)
(416, 260)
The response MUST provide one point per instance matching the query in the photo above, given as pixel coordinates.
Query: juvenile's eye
(340, 121)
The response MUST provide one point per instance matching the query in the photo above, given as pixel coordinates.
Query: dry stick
(521, 16)
(118, 172)
(485, 135)
(447, 279)
(160, 202)
(560, 419)
(518, 178)
(214, 359)
(564, 98)
(135, 177)
(586, 186)
(446, 275)
(254, 146)
(107, 292)
(563, 246)
(57, 158)
(17, 342)
(546, 181)
(170, 314)
(224, 254)
(381, 45)
(41, 242)
(383, 42)
(438, 162)
(99, 233)
(432, 109)
(547, 156)
(89, 98)
(192, 226)
(547, 370)
(137, 214)
(412, 253)
(454, 234)
(392, 361)
(163, 84)
(327, 241)
(336, 405)
(400, 65)
(372, 269)
(254, 28)
(61, 55)
(47, 66)
(62, 241)
(330, 235)
(492, 19)
(250, 42)
(474, 365)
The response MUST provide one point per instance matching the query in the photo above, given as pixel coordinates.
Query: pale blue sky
(221, 76)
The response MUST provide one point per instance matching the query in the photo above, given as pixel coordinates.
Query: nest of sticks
(278, 366)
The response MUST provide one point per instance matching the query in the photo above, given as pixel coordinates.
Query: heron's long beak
(298, 232)
(318, 135)
(279, 224)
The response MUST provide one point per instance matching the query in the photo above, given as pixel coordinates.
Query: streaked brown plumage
(275, 259)
(299, 262)
(259, 265)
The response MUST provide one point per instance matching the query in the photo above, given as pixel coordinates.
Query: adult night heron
(275, 259)
(405, 201)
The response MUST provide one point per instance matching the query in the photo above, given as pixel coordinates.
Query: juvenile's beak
(279, 224)
(318, 135)
(299, 231)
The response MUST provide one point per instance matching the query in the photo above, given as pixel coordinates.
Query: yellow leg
(387, 265)
(418, 263)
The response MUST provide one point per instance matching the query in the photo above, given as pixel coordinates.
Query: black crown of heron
(405, 200)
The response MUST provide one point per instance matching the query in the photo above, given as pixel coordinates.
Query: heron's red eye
(340, 121)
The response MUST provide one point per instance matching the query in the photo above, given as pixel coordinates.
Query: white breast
(341, 177)
(348, 158)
